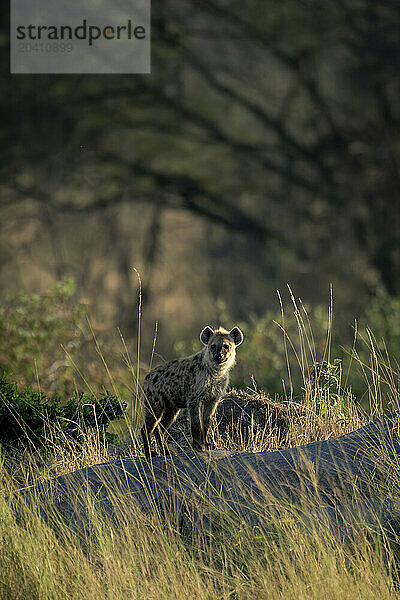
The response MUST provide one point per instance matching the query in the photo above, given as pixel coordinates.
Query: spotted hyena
(196, 382)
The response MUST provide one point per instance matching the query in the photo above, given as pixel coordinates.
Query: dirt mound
(242, 420)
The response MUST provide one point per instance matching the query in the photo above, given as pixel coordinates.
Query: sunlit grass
(288, 551)
(286, 555)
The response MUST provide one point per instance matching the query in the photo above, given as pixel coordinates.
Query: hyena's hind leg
(150, 423)
(161, 432)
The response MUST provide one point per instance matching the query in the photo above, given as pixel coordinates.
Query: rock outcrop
(242, 417)
(341, 472)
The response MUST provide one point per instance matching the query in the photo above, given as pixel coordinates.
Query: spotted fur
(196, 382)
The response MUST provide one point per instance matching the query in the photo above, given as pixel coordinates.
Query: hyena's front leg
(194, 406)
(209, 408)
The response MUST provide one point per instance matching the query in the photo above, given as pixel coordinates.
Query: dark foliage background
(264, 148)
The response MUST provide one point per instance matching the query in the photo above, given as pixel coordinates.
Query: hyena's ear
(236, 335)
(206, 334)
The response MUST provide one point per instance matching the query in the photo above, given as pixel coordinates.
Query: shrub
(295, 353)
(275, 355)
(30, 415)
(373, 361)
(32, 329)
(46, 338)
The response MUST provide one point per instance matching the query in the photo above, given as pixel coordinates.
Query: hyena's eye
(225, 346)
(213, 346)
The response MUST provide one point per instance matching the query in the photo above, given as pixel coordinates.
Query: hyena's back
(170, 384)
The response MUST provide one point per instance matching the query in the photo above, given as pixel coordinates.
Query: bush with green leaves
(295, 352)
(31, 416)
(373, 361)
(33, 329)
(48, 342)
(275, 354)
(325, 386)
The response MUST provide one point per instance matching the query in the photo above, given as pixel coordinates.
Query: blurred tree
(278, 123)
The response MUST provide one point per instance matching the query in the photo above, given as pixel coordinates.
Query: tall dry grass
(287, 554)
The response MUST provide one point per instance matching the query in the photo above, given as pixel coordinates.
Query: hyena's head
(221, 345)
